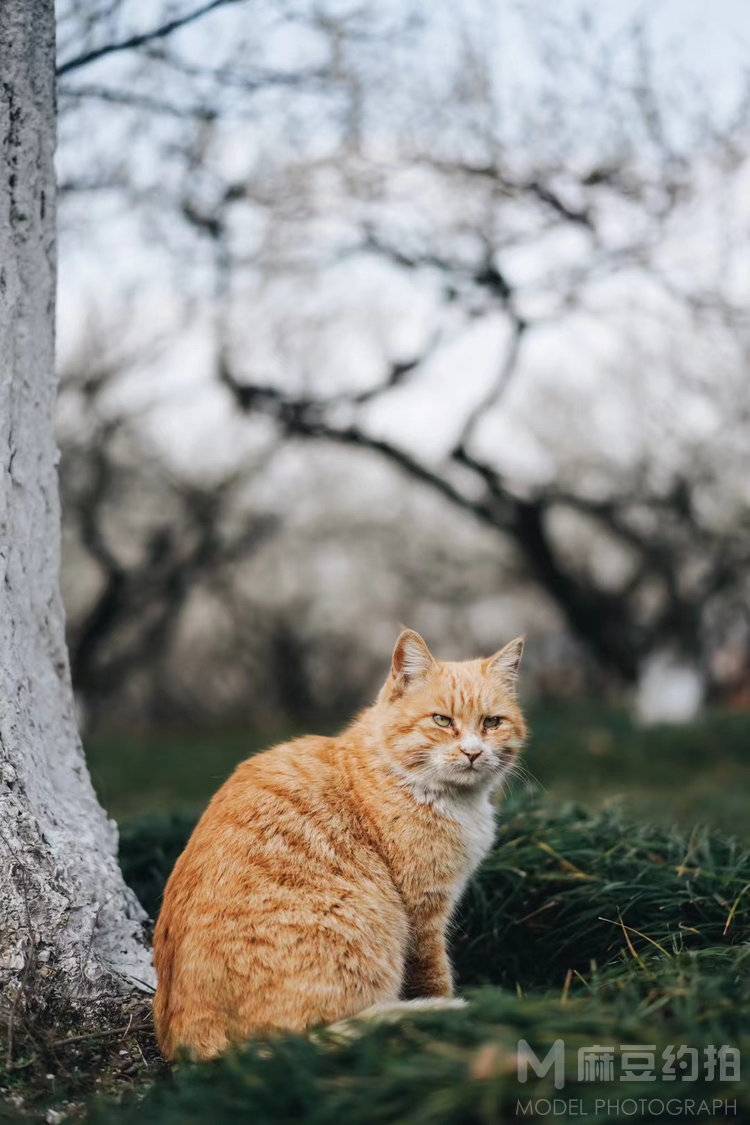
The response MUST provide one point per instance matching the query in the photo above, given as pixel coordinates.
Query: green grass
(584, 752)
(594, 919)
(699, 773)
(585, 925)
(460, 1068)
(580, 925)
(564, 887)
(174, 772)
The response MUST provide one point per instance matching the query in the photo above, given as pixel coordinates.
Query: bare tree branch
(142, 38)
(306, 418)
(498, 387)
(135, 100)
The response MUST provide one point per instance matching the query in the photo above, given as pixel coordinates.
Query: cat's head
(447, 724)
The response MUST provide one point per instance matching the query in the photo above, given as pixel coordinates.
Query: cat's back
(290, 771)
(282, 804)
(283, 818)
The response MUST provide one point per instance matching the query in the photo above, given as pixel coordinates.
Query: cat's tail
(396, 1008)
(390, 1011)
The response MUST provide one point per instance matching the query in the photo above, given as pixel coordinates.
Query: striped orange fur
(321, 878)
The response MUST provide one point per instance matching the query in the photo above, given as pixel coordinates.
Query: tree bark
(70, 929)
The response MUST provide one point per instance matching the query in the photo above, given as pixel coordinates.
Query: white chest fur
(477, 821)
(473, 812)
(475, 816)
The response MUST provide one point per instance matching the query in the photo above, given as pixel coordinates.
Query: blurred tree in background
(464, 345)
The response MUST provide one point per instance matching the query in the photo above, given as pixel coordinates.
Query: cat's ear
(504, 664)
(411, 658)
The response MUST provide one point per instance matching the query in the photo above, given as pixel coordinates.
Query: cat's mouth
(466, 770)
(479, 770)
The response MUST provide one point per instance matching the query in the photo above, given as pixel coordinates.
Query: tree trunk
(70, 929)
(671, 688)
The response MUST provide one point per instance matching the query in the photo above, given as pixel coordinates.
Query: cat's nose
(472, 755)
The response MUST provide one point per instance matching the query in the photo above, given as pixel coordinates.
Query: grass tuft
(565, 886)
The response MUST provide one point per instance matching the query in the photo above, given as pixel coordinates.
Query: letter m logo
(553, 1061)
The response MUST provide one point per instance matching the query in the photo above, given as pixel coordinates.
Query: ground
(594, 920)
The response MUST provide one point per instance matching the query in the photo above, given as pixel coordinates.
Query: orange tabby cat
(322, 876)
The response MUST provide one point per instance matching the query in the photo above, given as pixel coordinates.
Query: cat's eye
(492, 722)
(443, 720)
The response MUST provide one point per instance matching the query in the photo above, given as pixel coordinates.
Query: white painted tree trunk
(69, 927)
(670, 689)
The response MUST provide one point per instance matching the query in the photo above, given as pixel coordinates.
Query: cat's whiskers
(517, 771)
